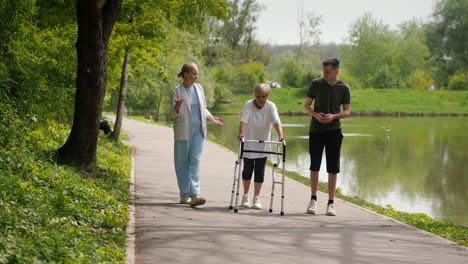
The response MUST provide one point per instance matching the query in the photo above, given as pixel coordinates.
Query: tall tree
(139, 22)
(413, 53)
(122, 94)
(308, 30)
(143, 23)
(448, 35)
(238, 31)
(371, 55)
(95, 23)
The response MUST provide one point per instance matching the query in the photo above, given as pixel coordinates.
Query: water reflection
(415, 164)
(344, 134)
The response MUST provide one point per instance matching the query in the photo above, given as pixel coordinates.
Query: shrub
(308, 77)
(292, 74)
(248, 76)
(222, 87)
(420, 80)
(459, 81)
(384, 78)
(350, 80)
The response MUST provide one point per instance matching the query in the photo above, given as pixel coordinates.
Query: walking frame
(238, 171)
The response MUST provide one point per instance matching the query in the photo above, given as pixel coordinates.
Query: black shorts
(251, 165)
(331, 140)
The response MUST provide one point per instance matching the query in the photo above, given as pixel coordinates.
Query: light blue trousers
(187, 154)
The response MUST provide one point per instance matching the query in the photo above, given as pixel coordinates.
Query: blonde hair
(262, 88)
(187, 67)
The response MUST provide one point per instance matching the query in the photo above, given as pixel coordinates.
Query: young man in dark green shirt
(329, 94)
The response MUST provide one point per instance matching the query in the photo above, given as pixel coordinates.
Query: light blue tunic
(195, 109)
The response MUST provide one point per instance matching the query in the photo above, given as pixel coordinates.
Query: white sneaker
(256, 203)
(312, 207)
(185, 199)
(245, 201)
(331, 209)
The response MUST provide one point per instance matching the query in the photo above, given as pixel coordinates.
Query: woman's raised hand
(178, 102)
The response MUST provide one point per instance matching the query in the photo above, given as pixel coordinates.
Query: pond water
(416, 164)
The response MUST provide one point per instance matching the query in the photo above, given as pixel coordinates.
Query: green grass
(51, 213)
(291, 100)
(456, 233)
(144, 119)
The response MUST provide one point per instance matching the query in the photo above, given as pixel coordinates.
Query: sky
(278, 21)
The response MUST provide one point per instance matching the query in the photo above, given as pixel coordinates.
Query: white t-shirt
(259, 122)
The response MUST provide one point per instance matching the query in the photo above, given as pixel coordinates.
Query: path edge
(130, 232)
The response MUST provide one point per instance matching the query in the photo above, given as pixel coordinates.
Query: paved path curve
(167, 232)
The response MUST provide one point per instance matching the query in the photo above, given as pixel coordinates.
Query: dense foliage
(58, 214)
(37, 70)
(416, 55)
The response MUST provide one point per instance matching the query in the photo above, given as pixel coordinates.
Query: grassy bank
(368, 101)
(58, 214)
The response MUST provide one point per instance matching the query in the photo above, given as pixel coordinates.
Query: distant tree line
(416, 55)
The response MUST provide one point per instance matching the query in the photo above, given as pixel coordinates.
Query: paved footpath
(167, 232)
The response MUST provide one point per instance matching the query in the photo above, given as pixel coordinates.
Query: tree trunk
(248, 46)
(95, 25)
(300, 21)
(299, 51)
(158, 104)
(122, 94)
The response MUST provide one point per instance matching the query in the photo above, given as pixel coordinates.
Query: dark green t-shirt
(327, 100)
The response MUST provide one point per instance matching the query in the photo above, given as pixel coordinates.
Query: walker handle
(261, 141)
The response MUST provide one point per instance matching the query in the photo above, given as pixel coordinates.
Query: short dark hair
(333, 62)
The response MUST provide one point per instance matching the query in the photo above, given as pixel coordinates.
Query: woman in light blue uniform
(190, 113)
